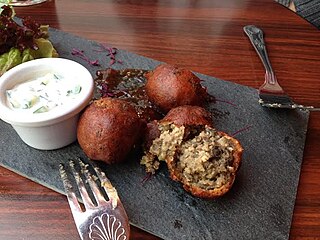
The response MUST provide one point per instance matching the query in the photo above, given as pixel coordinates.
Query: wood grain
(205, 36)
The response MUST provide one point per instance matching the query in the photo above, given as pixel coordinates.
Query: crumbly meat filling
(206, 160)
(150, 162)
(203, 157)
(163, 147)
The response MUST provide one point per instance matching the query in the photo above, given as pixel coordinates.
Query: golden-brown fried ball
(168, 86)
(108, 129)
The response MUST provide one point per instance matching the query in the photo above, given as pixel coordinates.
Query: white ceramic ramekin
(58, 127)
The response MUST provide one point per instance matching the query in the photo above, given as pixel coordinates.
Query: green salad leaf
(45, 49)
(22, 43)
(9, 60)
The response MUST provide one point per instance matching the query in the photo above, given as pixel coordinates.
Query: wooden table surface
(205, 36)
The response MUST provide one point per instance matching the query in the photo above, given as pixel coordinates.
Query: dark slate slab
(259, 206)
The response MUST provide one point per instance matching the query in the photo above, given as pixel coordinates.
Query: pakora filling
(202, 156)
(206, 160)
(163, 147)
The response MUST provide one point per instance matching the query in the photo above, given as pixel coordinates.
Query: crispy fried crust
(168, 86)
(189, 115)
(108, 129)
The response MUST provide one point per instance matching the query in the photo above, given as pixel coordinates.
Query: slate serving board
(261, 202)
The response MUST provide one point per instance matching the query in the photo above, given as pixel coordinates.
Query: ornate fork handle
(256, 37)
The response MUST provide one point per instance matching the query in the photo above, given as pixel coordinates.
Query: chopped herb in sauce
(43, 94)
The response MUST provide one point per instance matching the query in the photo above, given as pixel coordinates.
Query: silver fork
(271, 93)
(101, 219)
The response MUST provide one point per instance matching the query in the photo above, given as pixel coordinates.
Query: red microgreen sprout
(146, 178)
(225, 101)
(241, 130)
(105, 90)
(80, 54)
(111, 53)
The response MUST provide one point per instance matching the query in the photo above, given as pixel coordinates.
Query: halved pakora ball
(188, 116)
(168, 86)
(108, 130)
(204, 160)
(206, 164)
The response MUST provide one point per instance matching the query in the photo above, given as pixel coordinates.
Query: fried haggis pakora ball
(168, 86)
(108, 130)
(203, 159)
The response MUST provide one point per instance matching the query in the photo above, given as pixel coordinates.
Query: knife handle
(255, 35)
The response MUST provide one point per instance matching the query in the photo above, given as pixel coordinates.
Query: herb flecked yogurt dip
(43, 94)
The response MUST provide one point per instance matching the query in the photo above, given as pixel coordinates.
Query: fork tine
(83, 191)
(106, 184)
(72, 199)
(100, 199)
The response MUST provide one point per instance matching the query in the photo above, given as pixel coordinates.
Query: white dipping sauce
(43, 94)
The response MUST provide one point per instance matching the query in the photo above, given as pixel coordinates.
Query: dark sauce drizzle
(127, 84)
